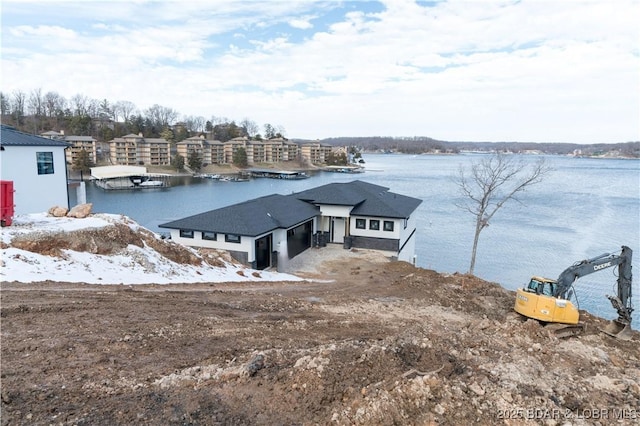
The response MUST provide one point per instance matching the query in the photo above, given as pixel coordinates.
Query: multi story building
(315, 152)
(77, 144)
(134, 150)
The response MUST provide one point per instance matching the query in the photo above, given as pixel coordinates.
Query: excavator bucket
(618, 330)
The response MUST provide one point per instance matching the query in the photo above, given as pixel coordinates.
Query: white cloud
(301, 24)
(469, 70)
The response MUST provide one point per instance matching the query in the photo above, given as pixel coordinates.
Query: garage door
(299, 239)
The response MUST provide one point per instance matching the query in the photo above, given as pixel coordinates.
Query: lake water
(584, 208)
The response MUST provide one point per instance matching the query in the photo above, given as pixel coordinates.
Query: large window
(45, 163)
(361, 224)
(388, 225)
(230, 238)
(374, 224)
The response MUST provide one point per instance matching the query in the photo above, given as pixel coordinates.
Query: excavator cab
(536, 301)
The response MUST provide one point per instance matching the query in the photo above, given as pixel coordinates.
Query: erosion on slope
(373, 343)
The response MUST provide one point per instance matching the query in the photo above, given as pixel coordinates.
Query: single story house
(38, 169)
(364, 215)
(255, 232)
(259, 231)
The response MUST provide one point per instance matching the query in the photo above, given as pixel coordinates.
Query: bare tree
(19, 99)
(160, 116)
(250, 126)
(124, 109)
(490, 183)
(5, 104)
(80, 104)
(53, 104)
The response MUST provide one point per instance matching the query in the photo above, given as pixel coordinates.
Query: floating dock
(276, 174)
(128, 177)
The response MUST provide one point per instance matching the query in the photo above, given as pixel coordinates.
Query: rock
(256, 364)
(80, 211)
(476, 388)
(57, 211)
(439, 409)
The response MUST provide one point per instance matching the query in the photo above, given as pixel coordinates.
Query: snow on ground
(135, 265)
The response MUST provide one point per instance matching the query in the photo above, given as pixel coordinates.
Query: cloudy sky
(530, 70)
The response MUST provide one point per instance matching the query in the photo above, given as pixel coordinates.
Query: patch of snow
(134, 266)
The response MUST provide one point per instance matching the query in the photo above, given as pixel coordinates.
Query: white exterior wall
(247, 244)
(35, 193)
(337, 211)
(381, 233)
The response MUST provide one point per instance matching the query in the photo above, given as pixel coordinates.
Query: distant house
(259, 231)
(253, 232)
(37, 167)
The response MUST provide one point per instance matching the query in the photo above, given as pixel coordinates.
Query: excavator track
(562, 331)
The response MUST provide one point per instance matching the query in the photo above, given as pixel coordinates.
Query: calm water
(584, 208)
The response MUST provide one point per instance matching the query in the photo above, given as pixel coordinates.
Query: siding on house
(37, 167)
(335, 209)
(250, 221)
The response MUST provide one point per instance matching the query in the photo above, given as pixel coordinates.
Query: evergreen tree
(240, 158)
(83, 162)
(195, 161)
(178, 162)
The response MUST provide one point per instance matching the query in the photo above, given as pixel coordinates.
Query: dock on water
(276, 174)
(128, 177)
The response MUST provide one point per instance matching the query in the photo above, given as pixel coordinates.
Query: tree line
(422, 144)
(36, 112)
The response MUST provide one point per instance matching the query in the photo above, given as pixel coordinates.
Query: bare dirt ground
(370, 342)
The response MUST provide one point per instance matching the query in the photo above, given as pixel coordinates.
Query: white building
(258, 232)
(37, 167)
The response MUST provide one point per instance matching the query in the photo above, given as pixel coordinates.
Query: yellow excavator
(547, 300)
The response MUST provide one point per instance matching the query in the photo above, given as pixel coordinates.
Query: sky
(135, 265)
(477, 70)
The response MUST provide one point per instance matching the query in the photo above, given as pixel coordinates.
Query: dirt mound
(107, 240)
(375, 343)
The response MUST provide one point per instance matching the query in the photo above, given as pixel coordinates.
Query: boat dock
(276, 174)
(128, 177)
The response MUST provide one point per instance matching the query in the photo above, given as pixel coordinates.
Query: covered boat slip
(276, 174)
(128, 177)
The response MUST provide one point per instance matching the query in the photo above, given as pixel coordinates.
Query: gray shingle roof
(366, 198)
(9, 136)
(250, 218)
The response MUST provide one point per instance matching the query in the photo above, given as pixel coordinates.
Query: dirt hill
(366, 343)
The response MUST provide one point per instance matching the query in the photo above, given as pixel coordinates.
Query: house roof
(251, 218)
(366, 198)
(9, 136)
(79, 138)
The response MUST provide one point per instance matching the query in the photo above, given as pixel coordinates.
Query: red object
(6, 201)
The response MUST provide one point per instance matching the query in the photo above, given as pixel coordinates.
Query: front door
(263, 252)
(337, 230)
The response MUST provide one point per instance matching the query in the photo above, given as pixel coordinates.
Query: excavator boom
(547, 300)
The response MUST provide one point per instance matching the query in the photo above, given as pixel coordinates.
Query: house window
(211, 236)
(186, 234)
(45, 163)
(361, 224)
(230, 238)
(374, 224)
(388, 225)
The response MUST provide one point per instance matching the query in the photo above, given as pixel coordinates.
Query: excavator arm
(553, 306)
